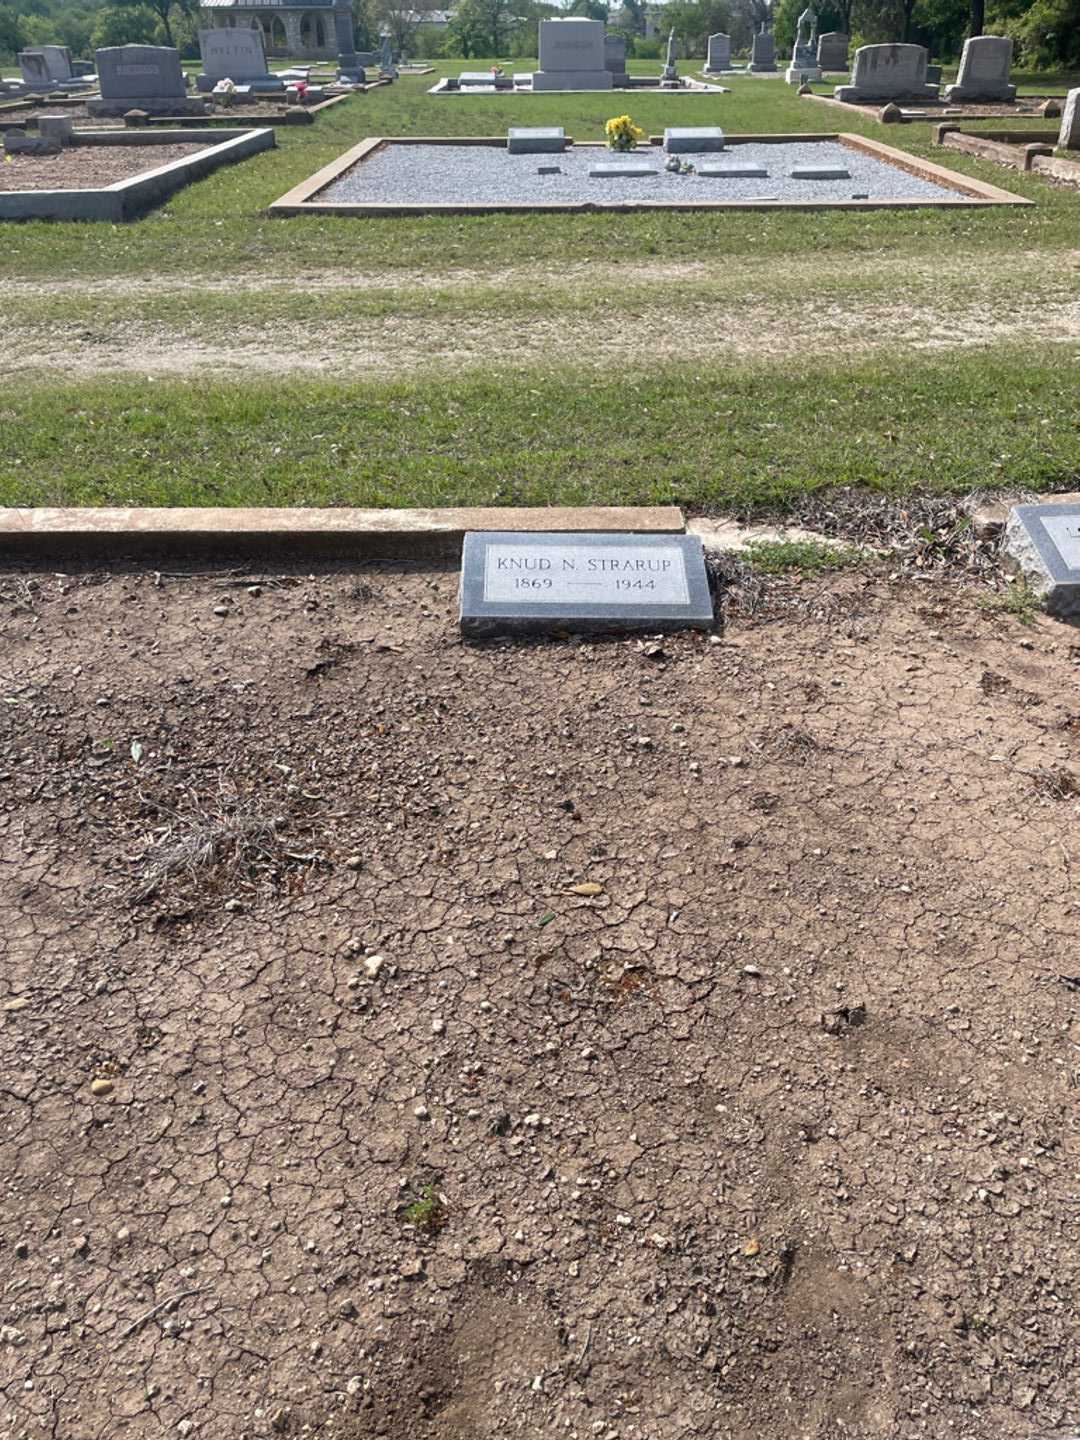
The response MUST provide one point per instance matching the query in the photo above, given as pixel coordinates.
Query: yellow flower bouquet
(622, 133)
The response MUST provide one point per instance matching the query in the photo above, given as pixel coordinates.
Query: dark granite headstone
(515, 583)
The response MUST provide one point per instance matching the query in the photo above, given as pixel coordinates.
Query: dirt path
(408, 344)
(330, 1108)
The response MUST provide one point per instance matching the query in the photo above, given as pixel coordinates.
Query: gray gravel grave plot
(483, 174)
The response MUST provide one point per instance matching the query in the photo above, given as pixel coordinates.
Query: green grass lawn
(957, 401)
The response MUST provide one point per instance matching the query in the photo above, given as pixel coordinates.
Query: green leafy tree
(11, 37)
(695, 20)
(590, 10)
(485, 27)
(165, 10)
(124, 25)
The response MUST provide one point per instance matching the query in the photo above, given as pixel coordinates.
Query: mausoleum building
(294, 29)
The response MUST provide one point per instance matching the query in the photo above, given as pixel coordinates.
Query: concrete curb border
(303, 199)
(129, 198)
(102, 535)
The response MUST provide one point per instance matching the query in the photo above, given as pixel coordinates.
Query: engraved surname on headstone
(538, 582)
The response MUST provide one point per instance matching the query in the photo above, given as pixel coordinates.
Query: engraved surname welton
(568, 574)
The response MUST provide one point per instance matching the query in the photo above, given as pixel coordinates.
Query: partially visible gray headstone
(17, 142)
(536, 140)
(763, 53)
(832, 50)
(820, 172)
(45, 65)
(521, 583)
(615, 58)
(719, 55)
(1043, 542)
(1069, 139)
(984, 71)
(693, 140)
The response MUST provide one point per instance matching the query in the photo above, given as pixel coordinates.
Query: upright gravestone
(571, 52)
(763, 54)
(46, 67)
(832, 50)
(804, 67)
(237, 55)
(1069, 139)
(514, 583)
(719, 56)
(984, 71)
(615, 59)
(1043, 543)
(142, 77)
(888, 72)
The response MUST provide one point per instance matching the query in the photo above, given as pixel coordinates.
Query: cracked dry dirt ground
(665, 1200)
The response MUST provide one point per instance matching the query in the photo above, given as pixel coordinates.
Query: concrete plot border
(129, 198)
(927, 114)
(101, 535)
(1027, 150)
(199, 122)
(303, 199)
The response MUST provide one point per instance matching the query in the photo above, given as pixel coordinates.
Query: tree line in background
(1046, 32)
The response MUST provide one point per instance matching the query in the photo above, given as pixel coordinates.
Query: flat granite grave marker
(693, 140)
(719, 56)
(536, 140)
(1043, 541)
(984, 71)
(740, 170)
(620, 169)
(521, 583)
(1069, 139)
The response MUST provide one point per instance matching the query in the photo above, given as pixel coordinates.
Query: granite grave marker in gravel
(520, 583)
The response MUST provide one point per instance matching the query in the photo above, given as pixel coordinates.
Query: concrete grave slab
(820, 172)
(1043, 543)
(522, 584)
